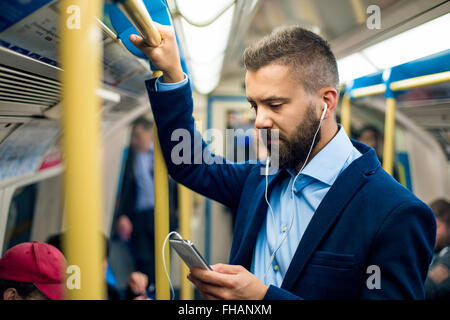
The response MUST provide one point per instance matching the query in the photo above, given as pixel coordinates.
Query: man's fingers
(208, 296)
(165, 31)
(209, 291)
(227, 268)
(138, 41)
(212, 277)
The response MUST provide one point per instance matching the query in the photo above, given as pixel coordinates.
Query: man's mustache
(272, 134)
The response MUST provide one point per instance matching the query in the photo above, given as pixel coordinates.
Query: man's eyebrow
(270, 99)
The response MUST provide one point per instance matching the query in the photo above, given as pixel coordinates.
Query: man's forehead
(268, 72)
(268, 84)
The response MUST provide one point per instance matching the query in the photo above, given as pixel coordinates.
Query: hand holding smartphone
(189, 254)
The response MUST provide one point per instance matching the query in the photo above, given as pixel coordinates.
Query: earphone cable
(292, 192)
(164, 260)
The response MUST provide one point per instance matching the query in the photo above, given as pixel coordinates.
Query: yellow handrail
(389, 136)
(138, 15)
(185, 205)
(426, 80)
(369, 91)
(80, 51)
(346, 112)
(161, 219)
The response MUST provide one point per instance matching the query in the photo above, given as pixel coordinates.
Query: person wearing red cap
(32, 271)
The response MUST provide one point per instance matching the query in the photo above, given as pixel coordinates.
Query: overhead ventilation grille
(24, 88)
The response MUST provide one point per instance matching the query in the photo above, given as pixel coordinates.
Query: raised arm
(182, 146)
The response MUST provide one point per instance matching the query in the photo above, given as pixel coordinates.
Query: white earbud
(267, 166)
(325, 107)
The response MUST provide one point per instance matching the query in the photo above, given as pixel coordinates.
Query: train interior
(212, 37)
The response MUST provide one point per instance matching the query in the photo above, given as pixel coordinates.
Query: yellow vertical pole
(346, 112)
(389, 136)
(185, 206)
(138, 15)
(81, 57)
(161, 182)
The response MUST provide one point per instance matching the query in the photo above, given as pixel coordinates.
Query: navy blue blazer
(365, 219)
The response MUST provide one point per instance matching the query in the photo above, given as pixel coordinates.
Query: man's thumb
(138, 41)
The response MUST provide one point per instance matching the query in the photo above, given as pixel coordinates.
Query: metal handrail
(138, 15)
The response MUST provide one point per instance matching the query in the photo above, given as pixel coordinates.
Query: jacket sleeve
(402, 250)
(187, 156)
(275, 293)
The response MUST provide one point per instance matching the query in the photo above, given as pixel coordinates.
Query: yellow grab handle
(138, 15)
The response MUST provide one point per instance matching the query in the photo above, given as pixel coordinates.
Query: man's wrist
(173, 77)
(263, 292)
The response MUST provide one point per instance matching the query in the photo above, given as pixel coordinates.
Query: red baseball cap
(38, 263)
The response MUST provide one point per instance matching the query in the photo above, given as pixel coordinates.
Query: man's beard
(294, 150)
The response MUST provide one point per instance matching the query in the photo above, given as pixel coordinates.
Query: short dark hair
(308, 55)
(441, 209)
(24, 289)
(370, 128)
(143, 122)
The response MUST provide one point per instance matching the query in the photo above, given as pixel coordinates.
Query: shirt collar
(328, 163)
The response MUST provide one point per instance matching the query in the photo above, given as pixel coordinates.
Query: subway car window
(225, 150)
(20, 217)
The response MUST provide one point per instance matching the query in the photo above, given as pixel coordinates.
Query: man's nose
(263, 119)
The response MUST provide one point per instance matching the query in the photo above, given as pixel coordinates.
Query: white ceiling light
(416, 43)
(206, 46)
(354, 66)
(421, 41)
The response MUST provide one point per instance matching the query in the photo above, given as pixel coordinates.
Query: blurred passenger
(135, 222)
(32, 271)
(371, 136)
(437, 285)
(137, 283)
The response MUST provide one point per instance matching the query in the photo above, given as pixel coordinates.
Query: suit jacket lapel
(326, 214)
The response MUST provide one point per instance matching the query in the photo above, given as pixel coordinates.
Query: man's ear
(11, 294)
(329, 95)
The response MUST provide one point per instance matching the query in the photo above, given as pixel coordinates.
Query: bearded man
(329, 222)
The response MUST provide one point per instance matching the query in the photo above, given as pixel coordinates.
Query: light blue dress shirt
(143, 173)
(162, 86)
(310, 188)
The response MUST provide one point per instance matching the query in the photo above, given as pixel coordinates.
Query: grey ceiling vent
(27, 86)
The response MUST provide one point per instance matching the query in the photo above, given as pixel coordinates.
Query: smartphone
(190, 255)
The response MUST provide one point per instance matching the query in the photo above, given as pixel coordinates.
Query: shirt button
(275, 267)
(283, 229)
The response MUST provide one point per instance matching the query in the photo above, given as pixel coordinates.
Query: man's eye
(253, 106)
(276, 105)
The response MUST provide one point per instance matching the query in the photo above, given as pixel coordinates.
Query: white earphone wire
(265, 192)
(272, 257)
(164, 260)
